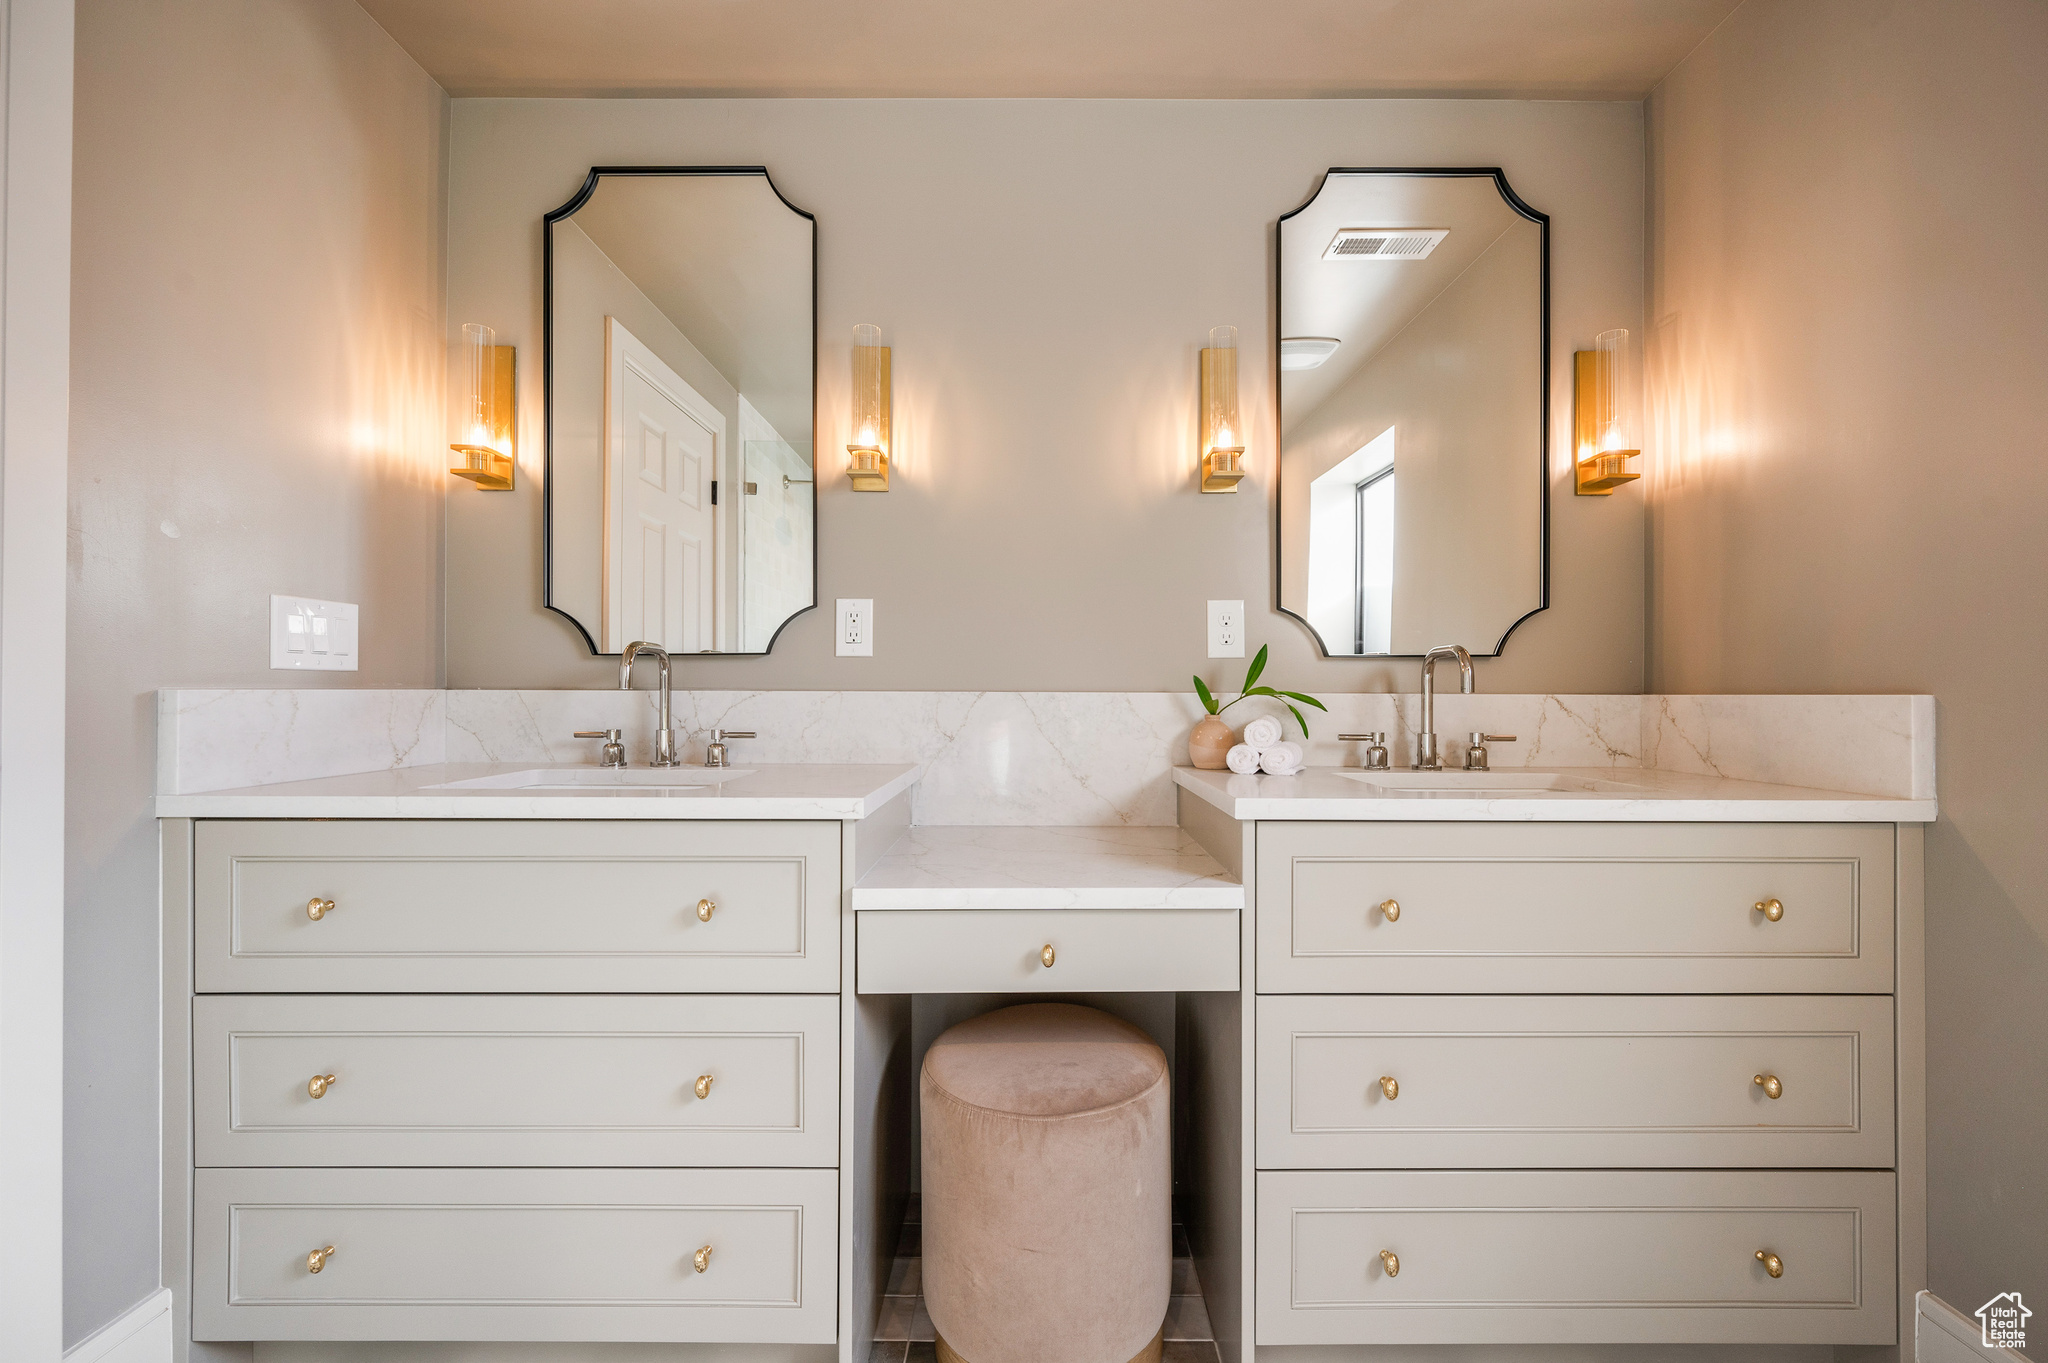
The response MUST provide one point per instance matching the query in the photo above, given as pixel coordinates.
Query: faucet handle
(1478, 738)
(718, 735)
(614, 745)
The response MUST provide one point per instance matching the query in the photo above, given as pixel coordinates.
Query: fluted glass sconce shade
(485, 440)
(1602, 429)
(867, 461)
(1222, 432)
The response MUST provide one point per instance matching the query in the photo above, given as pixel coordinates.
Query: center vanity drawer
(484, 906)
(971, 951)
(1403, 1081)
(515, 1254)
(1575, 908)
(299, 1079)
(1630, 1257)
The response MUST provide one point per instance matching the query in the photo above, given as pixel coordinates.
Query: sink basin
(1493, 784)
(601, 778)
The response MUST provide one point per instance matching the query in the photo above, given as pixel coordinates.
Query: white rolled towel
(1282, 759)
(1242, 760)
(1262, 733)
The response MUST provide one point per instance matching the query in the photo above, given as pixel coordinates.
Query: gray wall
(1047, 272)
(1849, 215)
(256, 407)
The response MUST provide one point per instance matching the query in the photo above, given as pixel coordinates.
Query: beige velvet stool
(1047, 1201)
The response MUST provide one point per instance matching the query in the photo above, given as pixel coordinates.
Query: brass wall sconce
(1222, 432)
(1601, 433)
(489, 411)
(867, 461)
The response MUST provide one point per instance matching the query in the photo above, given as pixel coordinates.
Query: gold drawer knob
(703, 1086)
(1390, 1087)
(1391, 1262)
(1771, 909)
(705, 908)
(1773, 1265)
(1046, 957)
(1392, 909)
(317, 1260)
(1772, 1089)
(702, 1258)
(317, 1087)
(317, 909)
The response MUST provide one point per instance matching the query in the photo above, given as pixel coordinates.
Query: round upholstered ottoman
(1047, 1200)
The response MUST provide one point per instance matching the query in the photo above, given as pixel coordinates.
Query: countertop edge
(793, 809)
(1821, 807)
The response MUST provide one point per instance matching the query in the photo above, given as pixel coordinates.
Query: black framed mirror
(1414, 402)
(681, 391)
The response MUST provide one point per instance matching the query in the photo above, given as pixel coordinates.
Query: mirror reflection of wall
(681, 355)
(1412, 377)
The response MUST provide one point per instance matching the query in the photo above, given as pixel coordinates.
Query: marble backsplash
(220, 740)
(1032, 757)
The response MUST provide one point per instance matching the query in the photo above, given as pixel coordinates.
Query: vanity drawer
(1608, 1257)
(1565, 1082)
(1575, 908)
(478, 906)
(971, 951)
(471, 1080)
(516, 1254)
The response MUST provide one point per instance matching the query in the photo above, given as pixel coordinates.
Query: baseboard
(1943, 1334)
(141, 1334)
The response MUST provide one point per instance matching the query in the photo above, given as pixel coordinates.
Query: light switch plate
(312, 636)
(1226, 629)
(856, 627)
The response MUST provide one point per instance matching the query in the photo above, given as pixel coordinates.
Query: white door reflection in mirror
(681, 372)
(661, 449)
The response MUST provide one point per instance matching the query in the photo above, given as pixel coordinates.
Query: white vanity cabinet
(507, 1079)
(1541, 1080)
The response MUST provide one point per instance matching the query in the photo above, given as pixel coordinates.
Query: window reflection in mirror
(680, 352)
(1412, 415)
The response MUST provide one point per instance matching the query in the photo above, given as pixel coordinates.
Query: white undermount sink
(600, 778)
(1493, 784)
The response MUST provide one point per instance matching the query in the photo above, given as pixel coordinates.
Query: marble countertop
(762, 791)
(986, 867)
(1625, 795)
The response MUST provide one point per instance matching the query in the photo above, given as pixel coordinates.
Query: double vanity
(559, 1053)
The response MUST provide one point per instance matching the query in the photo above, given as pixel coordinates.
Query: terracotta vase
(1209, 742)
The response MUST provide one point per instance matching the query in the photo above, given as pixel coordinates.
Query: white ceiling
(1364, 303)
(1195, 49)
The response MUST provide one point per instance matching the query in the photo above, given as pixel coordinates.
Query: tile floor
(904, 1333)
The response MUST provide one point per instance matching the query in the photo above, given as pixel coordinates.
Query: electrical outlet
(1226, 629)
(313, 636)
(856, 628)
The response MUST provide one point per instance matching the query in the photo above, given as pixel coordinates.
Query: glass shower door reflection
(775, 539)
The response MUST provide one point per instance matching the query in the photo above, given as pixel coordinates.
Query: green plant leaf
(1299, 720)
(1262, 691)
(1208, 701)
(1305, 700)
(1258, 666)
